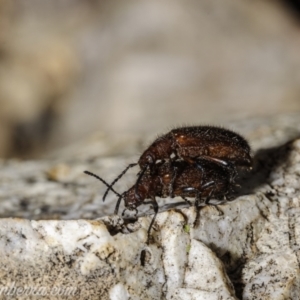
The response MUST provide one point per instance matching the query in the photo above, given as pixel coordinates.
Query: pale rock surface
(248, 248)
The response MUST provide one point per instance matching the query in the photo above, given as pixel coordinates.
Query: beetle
(201, 180)
(216, 144)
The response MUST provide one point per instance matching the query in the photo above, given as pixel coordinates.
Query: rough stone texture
(247, 249)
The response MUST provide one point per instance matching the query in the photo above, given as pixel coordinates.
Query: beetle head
(147, 158)
(131, 199)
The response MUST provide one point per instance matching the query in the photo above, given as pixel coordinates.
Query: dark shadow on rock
(265, 161)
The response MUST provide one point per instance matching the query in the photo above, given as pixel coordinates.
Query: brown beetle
(219, 145)
(214, 143)
(201, 180)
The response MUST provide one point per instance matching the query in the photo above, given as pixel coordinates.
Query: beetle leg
(188, 190)
(155, 207)
(216, 160)
(197, 199)
(205, 186)
(186, 200)
(118, 205)
(196, 203)
(225, 164)
(214, 206)
(171, 185)
(210, 194)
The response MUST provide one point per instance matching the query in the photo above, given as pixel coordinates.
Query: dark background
(71, 68)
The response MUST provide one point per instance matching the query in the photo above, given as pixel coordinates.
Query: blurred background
(69, 68)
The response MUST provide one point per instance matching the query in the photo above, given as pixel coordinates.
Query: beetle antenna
(103, 181)
(109, 187)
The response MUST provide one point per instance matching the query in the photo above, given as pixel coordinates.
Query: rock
(248, 248)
